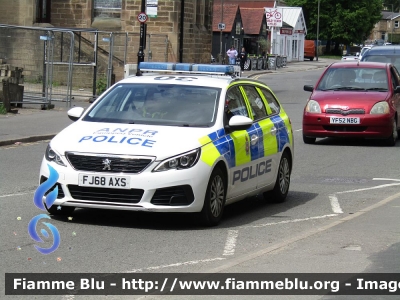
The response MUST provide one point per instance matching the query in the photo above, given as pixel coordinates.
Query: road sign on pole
(142, 17)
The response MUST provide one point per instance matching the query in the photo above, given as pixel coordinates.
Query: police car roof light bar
(187, 67)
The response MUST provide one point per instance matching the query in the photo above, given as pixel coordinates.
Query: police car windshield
(159, 104)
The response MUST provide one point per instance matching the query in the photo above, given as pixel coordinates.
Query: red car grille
(353, 111)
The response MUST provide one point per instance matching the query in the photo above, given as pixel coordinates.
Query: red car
(356, 100)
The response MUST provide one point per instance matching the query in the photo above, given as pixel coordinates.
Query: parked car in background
(350, 57)
(354, 99)
(363, 50)
(309, 49)
(386, 54)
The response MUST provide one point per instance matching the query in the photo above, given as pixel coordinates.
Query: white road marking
(289, 221)
(231, 263)
(230, 243)
(370, 188)
(186, 263)
(335, 204)
(391, 179)
(298, 129)
(18, 194)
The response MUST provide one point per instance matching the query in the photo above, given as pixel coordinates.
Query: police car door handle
(254, 138)
(273, 130)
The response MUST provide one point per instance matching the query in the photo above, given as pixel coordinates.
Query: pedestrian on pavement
(232, 54)
(243, 58)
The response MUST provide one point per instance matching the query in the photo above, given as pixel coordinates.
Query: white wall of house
(290, 45)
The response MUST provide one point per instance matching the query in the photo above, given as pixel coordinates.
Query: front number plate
(115, 182)
(344, 120)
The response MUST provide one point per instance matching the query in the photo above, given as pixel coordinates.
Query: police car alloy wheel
(181, 138)
(281, 188)
(214, 200)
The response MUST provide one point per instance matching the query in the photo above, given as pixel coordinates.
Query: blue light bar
(187, 67)
(156, 66)
(217, 69)
(183, 67)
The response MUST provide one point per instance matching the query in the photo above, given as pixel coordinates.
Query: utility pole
(142, 39)
(220, 34)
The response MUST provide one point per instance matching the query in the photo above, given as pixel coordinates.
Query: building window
(396, 24)
(238, 28)
(199, 9)
(107, 8)
(43, 8)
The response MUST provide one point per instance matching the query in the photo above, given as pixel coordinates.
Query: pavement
(31, 124)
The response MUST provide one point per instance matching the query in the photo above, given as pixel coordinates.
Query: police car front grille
(60, 194)
(118, 164)
(127, 196)
(173, 196)
(338, 111)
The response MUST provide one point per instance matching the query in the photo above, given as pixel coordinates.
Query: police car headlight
(183, 161)
(313, 107)
(380, 108)
(51, 155)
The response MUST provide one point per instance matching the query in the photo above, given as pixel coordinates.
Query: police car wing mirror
(75, 113)
(240, 123)
(308, 88)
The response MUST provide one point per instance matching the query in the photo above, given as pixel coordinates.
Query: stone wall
(25, 50)
(17, 12)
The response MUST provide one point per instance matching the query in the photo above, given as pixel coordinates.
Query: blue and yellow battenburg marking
(238, 150)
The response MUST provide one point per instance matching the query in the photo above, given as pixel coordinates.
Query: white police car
(190, 140)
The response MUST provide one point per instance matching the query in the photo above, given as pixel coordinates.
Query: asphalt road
(341, 216)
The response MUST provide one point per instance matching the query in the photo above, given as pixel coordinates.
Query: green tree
(341, 21)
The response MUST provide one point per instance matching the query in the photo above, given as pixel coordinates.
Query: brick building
(177, 30)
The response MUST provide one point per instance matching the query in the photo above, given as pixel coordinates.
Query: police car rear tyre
(281, 188)
(214, 200)
(308, 140)
(58, 210)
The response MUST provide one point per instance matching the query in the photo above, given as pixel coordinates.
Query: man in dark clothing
(243, 58)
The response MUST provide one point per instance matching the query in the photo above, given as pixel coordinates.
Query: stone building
(177, 30)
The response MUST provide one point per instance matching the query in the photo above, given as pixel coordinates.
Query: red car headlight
(380, 108)
(313, 107)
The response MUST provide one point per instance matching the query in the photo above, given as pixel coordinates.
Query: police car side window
(272, 102)
(234, 102)
(256, 103)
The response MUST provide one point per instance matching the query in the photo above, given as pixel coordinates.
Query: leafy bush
(3, 110)
(101, 85)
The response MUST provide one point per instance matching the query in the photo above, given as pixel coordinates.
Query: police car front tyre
(214, 200)
(281, 188)
(58, 210)
(308, 140)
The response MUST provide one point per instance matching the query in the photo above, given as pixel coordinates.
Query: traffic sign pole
(141, 45)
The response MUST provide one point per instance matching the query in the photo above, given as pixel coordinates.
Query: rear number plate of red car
(344, 120)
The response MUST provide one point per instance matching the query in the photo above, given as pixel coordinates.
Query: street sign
(274, 17)
(221, 26)
(142, 17)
